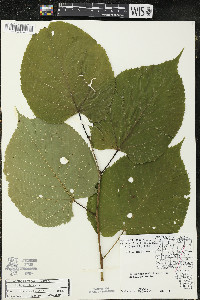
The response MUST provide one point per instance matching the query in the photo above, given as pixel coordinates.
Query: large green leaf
(47, 166)
(151, 194)
(146, 113)
(65, 71)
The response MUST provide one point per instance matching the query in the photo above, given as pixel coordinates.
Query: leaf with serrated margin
(146, 113)
(65, 71)
(152, 195)
(47, 167)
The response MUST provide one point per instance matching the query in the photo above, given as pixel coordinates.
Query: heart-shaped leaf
(146, 113)
(65, 71)
(143, 198)
(47, 167)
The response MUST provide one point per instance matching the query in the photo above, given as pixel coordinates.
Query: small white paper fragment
(148, 259)
(130, 180)
(129, 215)
(37, 288)
(64, 160)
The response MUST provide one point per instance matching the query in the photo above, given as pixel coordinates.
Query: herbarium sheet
(99, 160)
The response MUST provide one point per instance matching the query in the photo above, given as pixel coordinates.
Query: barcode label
(37, 288)
(19, 28)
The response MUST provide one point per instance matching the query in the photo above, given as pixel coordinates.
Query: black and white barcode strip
(19, 28)
(97, 10)
(37, 288)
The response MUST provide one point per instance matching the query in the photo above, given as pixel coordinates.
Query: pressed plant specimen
(48, 164)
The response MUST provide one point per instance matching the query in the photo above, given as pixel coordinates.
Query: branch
(113, 245)
(109, 161)
(98, 198)
(98, 226)
(89, 139)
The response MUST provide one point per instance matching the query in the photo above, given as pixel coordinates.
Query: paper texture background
(71, 250)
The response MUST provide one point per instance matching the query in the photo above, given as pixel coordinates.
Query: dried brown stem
(98, 198)
(113, 245)
(98, 226)
(89, 139)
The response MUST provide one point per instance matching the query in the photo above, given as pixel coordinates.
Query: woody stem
(98, 198)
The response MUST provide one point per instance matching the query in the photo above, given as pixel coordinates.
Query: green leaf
(146, 113)
(65, 71)
(47, 166)
(152, 192)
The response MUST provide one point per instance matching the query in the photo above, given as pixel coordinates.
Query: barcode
(19, 28)
(37, 288)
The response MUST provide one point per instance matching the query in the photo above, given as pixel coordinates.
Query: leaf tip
(181, 143)
(178, 57)
(178, 146)
(19, 115)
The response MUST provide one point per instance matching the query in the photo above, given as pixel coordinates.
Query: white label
(157, 266)
(37, 288)
(140, 11)
(19, 28)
